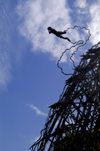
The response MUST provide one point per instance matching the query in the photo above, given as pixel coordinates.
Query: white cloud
(94, 24)
(80, 3)
(92, 14)
(36, 16)
(37, 110)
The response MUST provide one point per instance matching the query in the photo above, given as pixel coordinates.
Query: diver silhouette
(58, 33)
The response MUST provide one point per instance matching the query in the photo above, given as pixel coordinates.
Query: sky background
(29, 78)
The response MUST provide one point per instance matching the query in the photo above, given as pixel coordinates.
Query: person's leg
(65, 38)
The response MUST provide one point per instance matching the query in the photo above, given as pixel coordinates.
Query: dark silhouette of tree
(73, 122)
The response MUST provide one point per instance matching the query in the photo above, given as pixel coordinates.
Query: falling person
(58, 33)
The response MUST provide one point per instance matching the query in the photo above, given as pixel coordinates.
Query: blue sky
(29, 78)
